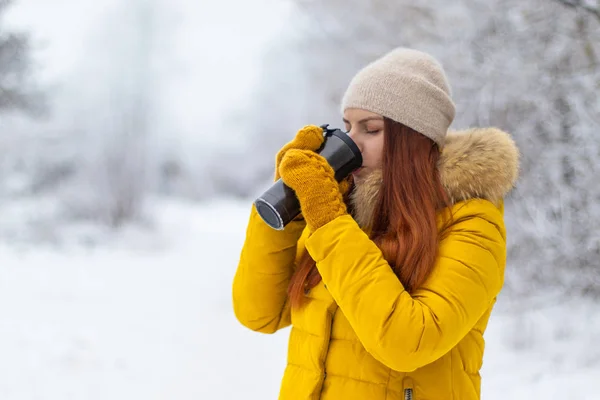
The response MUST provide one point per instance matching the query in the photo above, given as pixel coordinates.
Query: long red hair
(405, 218)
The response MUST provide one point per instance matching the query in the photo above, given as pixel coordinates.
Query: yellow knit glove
(313, 181)
(311, 138)
(308, 138)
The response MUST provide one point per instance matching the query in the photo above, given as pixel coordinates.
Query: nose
(356, 139)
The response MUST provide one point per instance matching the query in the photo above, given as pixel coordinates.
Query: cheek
(379, 151)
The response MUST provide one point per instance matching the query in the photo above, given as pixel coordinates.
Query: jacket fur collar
(475, 163)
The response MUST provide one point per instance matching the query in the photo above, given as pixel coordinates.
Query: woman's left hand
(313, 180)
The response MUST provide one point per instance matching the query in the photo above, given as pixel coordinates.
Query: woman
(389, 278)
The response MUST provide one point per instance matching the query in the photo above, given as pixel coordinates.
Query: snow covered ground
(149, 316)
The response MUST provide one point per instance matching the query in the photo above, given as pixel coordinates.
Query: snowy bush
(16, 91)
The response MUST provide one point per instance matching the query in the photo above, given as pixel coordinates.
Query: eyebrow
(362, 121)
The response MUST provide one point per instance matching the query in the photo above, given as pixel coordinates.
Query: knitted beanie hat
(407, 86)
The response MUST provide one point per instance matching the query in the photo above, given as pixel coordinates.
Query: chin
(357, 178)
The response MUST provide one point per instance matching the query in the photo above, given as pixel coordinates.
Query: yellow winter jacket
(361, 335)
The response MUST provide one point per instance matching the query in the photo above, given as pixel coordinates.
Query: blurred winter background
(134, 136)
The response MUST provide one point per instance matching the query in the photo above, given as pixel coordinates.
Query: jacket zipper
(408, 388)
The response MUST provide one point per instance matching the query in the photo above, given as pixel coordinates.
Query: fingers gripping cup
(279, 205)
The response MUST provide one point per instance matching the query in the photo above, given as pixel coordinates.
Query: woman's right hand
(308, 138)
(311, 137)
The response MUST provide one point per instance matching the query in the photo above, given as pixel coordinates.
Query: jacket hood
(475, 163)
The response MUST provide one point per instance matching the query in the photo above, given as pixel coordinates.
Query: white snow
(149, 316)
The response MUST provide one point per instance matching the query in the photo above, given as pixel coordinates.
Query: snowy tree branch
(582, 5)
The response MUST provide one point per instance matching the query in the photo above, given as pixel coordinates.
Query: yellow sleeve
(266, 264)
(407, 332)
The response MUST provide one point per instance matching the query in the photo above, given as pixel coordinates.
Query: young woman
(388, 279)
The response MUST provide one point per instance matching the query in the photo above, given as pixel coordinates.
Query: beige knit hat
(407, 86)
